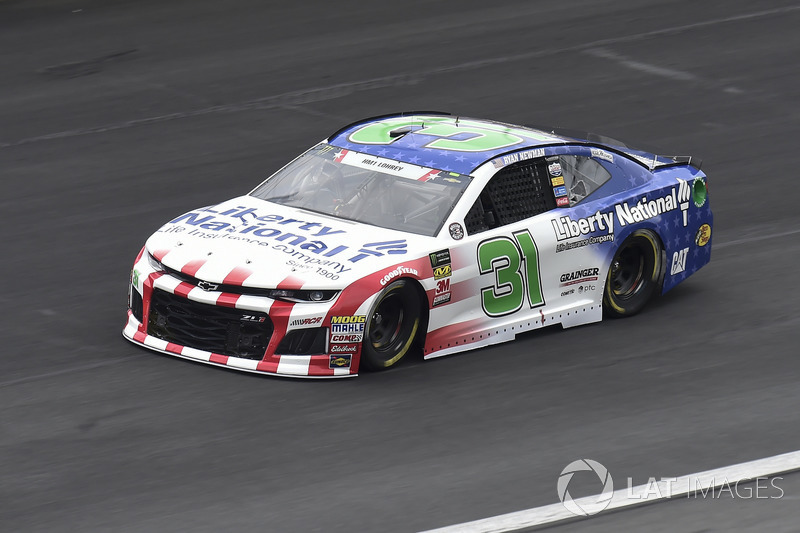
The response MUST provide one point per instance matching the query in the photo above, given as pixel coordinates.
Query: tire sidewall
(373, 359)
(652, 252)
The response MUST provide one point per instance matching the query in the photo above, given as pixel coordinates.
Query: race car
(419, 232)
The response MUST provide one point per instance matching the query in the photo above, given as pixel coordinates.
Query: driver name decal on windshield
(385, 166)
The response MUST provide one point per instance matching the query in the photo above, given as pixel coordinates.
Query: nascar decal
(566, 228)
(515, 266)
(347, 329)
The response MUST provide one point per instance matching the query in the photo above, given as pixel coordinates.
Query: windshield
(366, 188)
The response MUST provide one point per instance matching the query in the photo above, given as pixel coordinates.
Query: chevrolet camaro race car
(419, 231)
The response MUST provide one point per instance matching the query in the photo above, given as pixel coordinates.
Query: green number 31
(515, 264)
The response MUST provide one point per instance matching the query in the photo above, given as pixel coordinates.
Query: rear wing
(650, 159)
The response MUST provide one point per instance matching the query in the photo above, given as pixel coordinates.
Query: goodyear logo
(355, 319)
(340, 361)
(442, 272)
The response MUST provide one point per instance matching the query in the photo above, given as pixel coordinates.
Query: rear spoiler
(648, 158)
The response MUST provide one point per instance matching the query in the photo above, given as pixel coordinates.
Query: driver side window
(518, 191)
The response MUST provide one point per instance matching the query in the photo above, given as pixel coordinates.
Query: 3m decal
(679, 261)
(442, 272)
(515, 265)
(442, 286)
(703, 235)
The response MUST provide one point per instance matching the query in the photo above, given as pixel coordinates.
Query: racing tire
(391, 326)
(636, 271)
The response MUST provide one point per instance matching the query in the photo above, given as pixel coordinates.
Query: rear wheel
(391, 326)
(634, 274)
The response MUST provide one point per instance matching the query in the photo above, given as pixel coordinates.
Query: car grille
(221, 287)
(206, 327)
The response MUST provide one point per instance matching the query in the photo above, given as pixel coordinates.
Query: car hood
(256, 243)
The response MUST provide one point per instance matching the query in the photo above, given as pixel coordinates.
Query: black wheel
(634, 274)
(391, 326)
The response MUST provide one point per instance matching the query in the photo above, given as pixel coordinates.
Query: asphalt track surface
(117, 115)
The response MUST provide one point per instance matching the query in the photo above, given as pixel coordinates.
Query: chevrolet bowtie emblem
(208, 286)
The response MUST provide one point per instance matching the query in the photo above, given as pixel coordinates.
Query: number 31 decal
(515, 264)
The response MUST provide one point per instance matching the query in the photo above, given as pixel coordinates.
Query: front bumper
(305, 366)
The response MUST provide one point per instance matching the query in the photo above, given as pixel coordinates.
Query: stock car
(419, 232)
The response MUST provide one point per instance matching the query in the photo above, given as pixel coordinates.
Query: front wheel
(391, 326)
(634, 274)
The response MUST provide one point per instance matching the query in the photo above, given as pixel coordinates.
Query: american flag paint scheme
(419, 232)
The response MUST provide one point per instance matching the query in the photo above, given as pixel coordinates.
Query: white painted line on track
(639, 495)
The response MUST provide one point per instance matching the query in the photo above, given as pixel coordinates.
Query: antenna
(457, 117)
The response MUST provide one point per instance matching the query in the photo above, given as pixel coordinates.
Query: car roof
(411, 141)
(408, 137)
